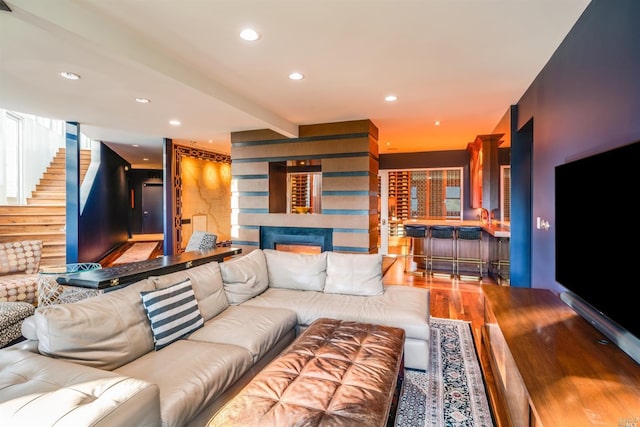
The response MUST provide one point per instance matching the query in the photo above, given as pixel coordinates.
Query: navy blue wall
(584, 101)
(104, 219)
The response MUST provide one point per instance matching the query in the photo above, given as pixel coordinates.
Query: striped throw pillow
(173, 313)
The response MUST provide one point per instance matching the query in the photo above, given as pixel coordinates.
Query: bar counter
(495, 229)
(496, 247)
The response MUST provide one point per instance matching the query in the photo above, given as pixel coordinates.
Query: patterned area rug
(452, 393)
(138, 252)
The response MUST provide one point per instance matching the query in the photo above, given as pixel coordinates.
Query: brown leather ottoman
(335, 373)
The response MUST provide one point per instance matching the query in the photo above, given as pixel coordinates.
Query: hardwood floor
(455, 299)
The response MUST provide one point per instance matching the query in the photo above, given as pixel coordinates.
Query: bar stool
(439, 235)
(469, 234)
(503, 262)
(416, 258)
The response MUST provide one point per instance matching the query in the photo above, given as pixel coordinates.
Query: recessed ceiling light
(145, 159)
(135, 145)
(143, 100)
(211, 141)
(388, 144)
(70, 76)
(437, 122)
(249, 34)
(390, 98)
(174, 122)
(296, 76)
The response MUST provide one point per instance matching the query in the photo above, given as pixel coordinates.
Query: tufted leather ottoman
(11, 316)
(334, 373)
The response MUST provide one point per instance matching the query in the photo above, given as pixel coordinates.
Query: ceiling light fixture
(135, 145)
(145, 159)
(70, 76)
(437, 123)
(143, 100)
(249, 34)
(390, 98)
(174, 122)
(296, 76)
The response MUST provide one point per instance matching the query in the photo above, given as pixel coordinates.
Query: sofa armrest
(39, 390)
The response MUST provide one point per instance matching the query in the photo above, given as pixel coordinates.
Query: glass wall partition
(434, 194)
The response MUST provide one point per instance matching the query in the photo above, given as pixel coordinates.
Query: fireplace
(296, 239)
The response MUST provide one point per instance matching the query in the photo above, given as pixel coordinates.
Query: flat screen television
(597, 249)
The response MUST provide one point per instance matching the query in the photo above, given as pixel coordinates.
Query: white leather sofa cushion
(400, 306)
(256, 329)
(245, 277)
(190, 374)
(291, 270)
(354, 274)
(206, 281)
(106, 331)
(36, 390)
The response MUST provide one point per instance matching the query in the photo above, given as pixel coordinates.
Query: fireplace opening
(299, 249)
(297, 239)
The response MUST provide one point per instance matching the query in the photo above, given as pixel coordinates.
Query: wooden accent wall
(349, 155)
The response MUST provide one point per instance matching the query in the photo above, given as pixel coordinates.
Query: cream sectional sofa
(111, 359)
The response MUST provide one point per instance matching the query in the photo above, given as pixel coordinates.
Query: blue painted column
(521, 203)
(169, 199)
(72, 167)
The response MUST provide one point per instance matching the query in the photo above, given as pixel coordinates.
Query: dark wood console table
(550, 366)
(122, 275)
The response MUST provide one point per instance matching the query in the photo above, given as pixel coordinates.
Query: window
(424, 194)
(12, 158)
(435, 193)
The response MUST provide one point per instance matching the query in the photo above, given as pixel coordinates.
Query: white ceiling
(462, 62)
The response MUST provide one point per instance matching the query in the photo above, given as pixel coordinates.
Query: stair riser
(49, 195)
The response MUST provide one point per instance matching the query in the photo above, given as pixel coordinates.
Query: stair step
(54, 174)
(44, 202)
(26, 210)
(52, 260)
(48, 236)
(49, 195)
(31, 228)
(55, 248)
(32, 220)
(50, 187)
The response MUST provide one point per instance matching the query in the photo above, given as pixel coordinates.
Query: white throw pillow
(289, 270)
(245, 277)
(354, 274)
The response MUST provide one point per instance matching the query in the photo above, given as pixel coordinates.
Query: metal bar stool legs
(439, 238)
(469, 234)
(416, 258)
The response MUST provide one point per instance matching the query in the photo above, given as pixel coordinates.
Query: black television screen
(597, 235)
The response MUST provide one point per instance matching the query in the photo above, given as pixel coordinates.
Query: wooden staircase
(44, 215)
